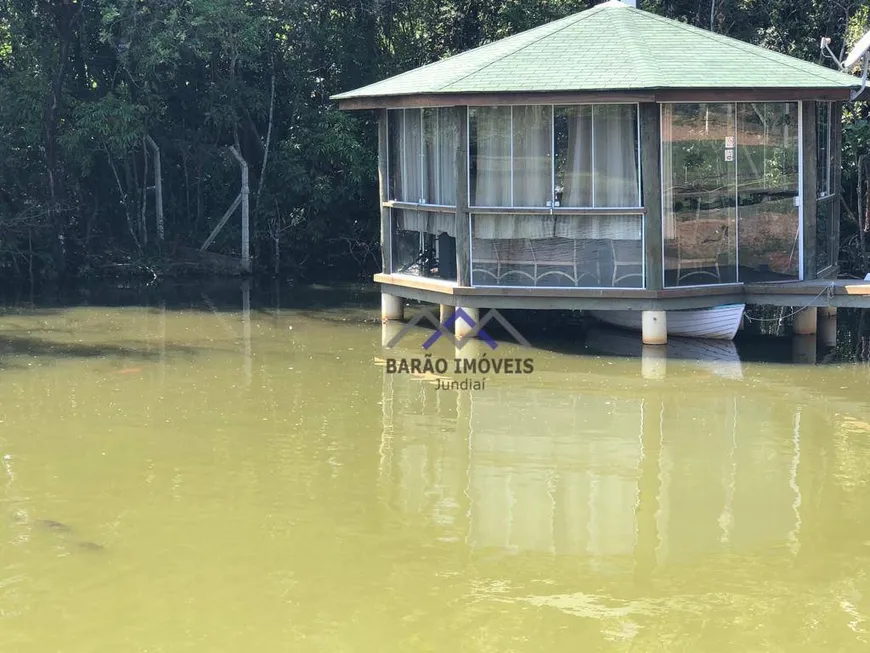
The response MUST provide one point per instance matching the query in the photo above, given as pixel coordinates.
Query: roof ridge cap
(737, 44)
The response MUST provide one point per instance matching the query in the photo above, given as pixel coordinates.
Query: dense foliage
(84, 85)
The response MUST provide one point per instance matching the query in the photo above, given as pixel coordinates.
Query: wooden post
(463, 217)
(383, 187)
(809, 194)
(246, 212)
(651, 180)
(836, 176)
(158, 186)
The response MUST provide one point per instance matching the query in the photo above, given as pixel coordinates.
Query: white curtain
(610, 165)
(441, 134)
(492, 160)
(427, 222)
(532, 180)
(406, 153)
(413, 159)
(614, 162)
(576, 162)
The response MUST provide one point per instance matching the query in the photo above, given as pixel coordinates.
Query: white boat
(717, 322)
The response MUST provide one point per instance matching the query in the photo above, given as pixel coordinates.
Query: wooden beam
(383, 189)
(836, 178)
(809, 198)
(750, 94)
(651, 181)
(463, 217)
(593, 97)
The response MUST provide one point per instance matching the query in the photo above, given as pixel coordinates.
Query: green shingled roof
(611, 47)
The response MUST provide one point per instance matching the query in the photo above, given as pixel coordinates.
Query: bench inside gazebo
(611, 160)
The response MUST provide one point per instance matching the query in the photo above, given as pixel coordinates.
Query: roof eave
(498, 98)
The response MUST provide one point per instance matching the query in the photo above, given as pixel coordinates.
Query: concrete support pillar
(653, 362)
(446, 312)
(803, 349)
(461, 327)
(392, 307)
(805, 321)
(655, 327)
(828, 326)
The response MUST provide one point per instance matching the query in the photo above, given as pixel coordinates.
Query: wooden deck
(836, 293)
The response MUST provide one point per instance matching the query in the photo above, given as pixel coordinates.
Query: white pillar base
(828, 326)
(805, 321)
(392, 307)
(461, 327)
(446, 312)
(655, 327)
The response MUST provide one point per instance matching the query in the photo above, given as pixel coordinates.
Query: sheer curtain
(576, 162)
(532, 145)
(615, 155)
(492, 160)
(441, 127)
(529, 169)
(432, 146)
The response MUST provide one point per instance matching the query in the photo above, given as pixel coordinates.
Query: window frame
(551, 207)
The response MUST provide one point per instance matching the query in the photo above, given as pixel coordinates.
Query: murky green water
(260, 483)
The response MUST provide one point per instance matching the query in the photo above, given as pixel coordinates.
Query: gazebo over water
(610, 160)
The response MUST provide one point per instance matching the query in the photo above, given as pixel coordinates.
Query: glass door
(768, 188)
(699, 194)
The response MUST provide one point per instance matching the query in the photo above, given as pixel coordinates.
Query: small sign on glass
(729, 142)
(729, 155)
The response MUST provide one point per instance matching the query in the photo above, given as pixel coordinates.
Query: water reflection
(617, 472)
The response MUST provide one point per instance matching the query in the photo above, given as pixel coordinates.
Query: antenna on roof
(861, 50)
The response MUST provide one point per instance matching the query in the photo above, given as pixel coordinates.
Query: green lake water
(179, 474)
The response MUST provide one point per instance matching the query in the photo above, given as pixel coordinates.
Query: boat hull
(717, 322)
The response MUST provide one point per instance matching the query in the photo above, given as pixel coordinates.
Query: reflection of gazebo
(547, 170)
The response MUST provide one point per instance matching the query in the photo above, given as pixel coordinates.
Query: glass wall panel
(768, 183)
(824, 229)
(597, 156)
(532, 153)
(440, 138)
(698, 203)
(490, 156)
(615, 162)
(573, 136)
(424, 244)
(823, 151)
(588, 251)
(405, 154)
